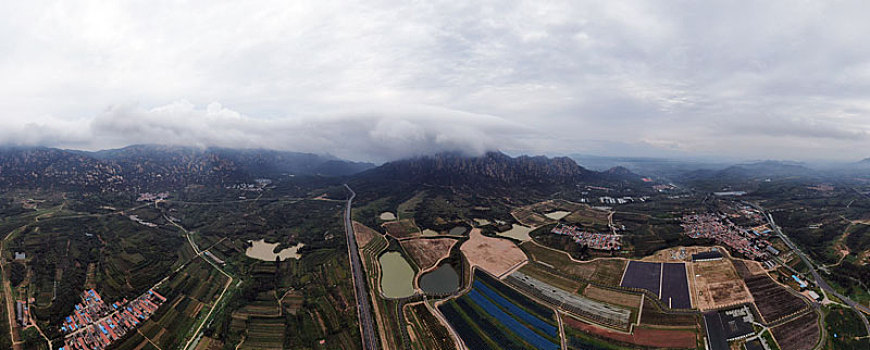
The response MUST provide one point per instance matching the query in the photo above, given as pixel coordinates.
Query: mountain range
(156, 167)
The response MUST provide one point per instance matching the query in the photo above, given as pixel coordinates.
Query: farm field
(191, 294)
(426, 331)
(530, 218)
(589, 217)
(426, 252)
(613, 297)
(264, 333)
(801, 333)
(773, 300)
(401, 229)
(602, 271)
(363, 234)
(495, 255)
(654, 316)
(717, 284)
(642, 336)
(492, 314)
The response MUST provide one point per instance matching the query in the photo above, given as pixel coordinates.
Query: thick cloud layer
(376, 80)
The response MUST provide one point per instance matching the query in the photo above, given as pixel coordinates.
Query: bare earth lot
(650, 337)
(427, 251)
(717, 285)
(799, 334)
(495, 255)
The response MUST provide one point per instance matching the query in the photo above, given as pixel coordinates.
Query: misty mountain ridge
(155, 167)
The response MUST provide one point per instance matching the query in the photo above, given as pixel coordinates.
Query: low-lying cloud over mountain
(385, 79)
(379, 134)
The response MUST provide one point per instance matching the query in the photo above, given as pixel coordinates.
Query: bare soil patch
(657, 338)
(801, 333)
(495, 255)
(717, 284)
(427, 251)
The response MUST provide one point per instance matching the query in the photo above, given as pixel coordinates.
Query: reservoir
(266, 251)
(397, 277)
(444, 280)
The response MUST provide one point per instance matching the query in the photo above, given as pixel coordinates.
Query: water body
(557, 215)
(266, 251)
(458, 230)
(518, 232)
(397, 276)
(388, 216)
(443, 280)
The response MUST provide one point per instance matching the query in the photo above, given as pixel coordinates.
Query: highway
(366, 324)
(860, 309)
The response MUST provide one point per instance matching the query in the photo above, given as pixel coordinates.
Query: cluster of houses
(751, 242)
(594, 240)
(151, 197)
(95, 324)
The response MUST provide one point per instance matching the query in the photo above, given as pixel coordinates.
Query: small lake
(557, 215)
(397, 276)
(458, 230)
(443, 280)
(518, 232)
(266, 251)
(387, 216)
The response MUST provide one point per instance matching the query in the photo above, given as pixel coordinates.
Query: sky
(381, 80)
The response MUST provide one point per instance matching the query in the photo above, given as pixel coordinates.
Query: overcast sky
(377, 80)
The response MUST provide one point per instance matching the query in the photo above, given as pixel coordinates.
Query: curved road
(366, 325)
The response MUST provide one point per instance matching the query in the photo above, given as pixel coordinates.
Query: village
(594, 240)
(751, 242)
(95, 324)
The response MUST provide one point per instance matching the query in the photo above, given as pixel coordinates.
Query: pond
(266, 251)
(557, 215)
(443, 280)
(518, 232)
(458, 230)
(397, 276)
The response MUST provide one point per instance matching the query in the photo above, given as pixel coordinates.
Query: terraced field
(190, 293)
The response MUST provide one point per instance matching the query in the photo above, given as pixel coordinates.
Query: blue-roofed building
(799, 281)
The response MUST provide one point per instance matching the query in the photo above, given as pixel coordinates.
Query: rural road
(860, 309)
(367, 329)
